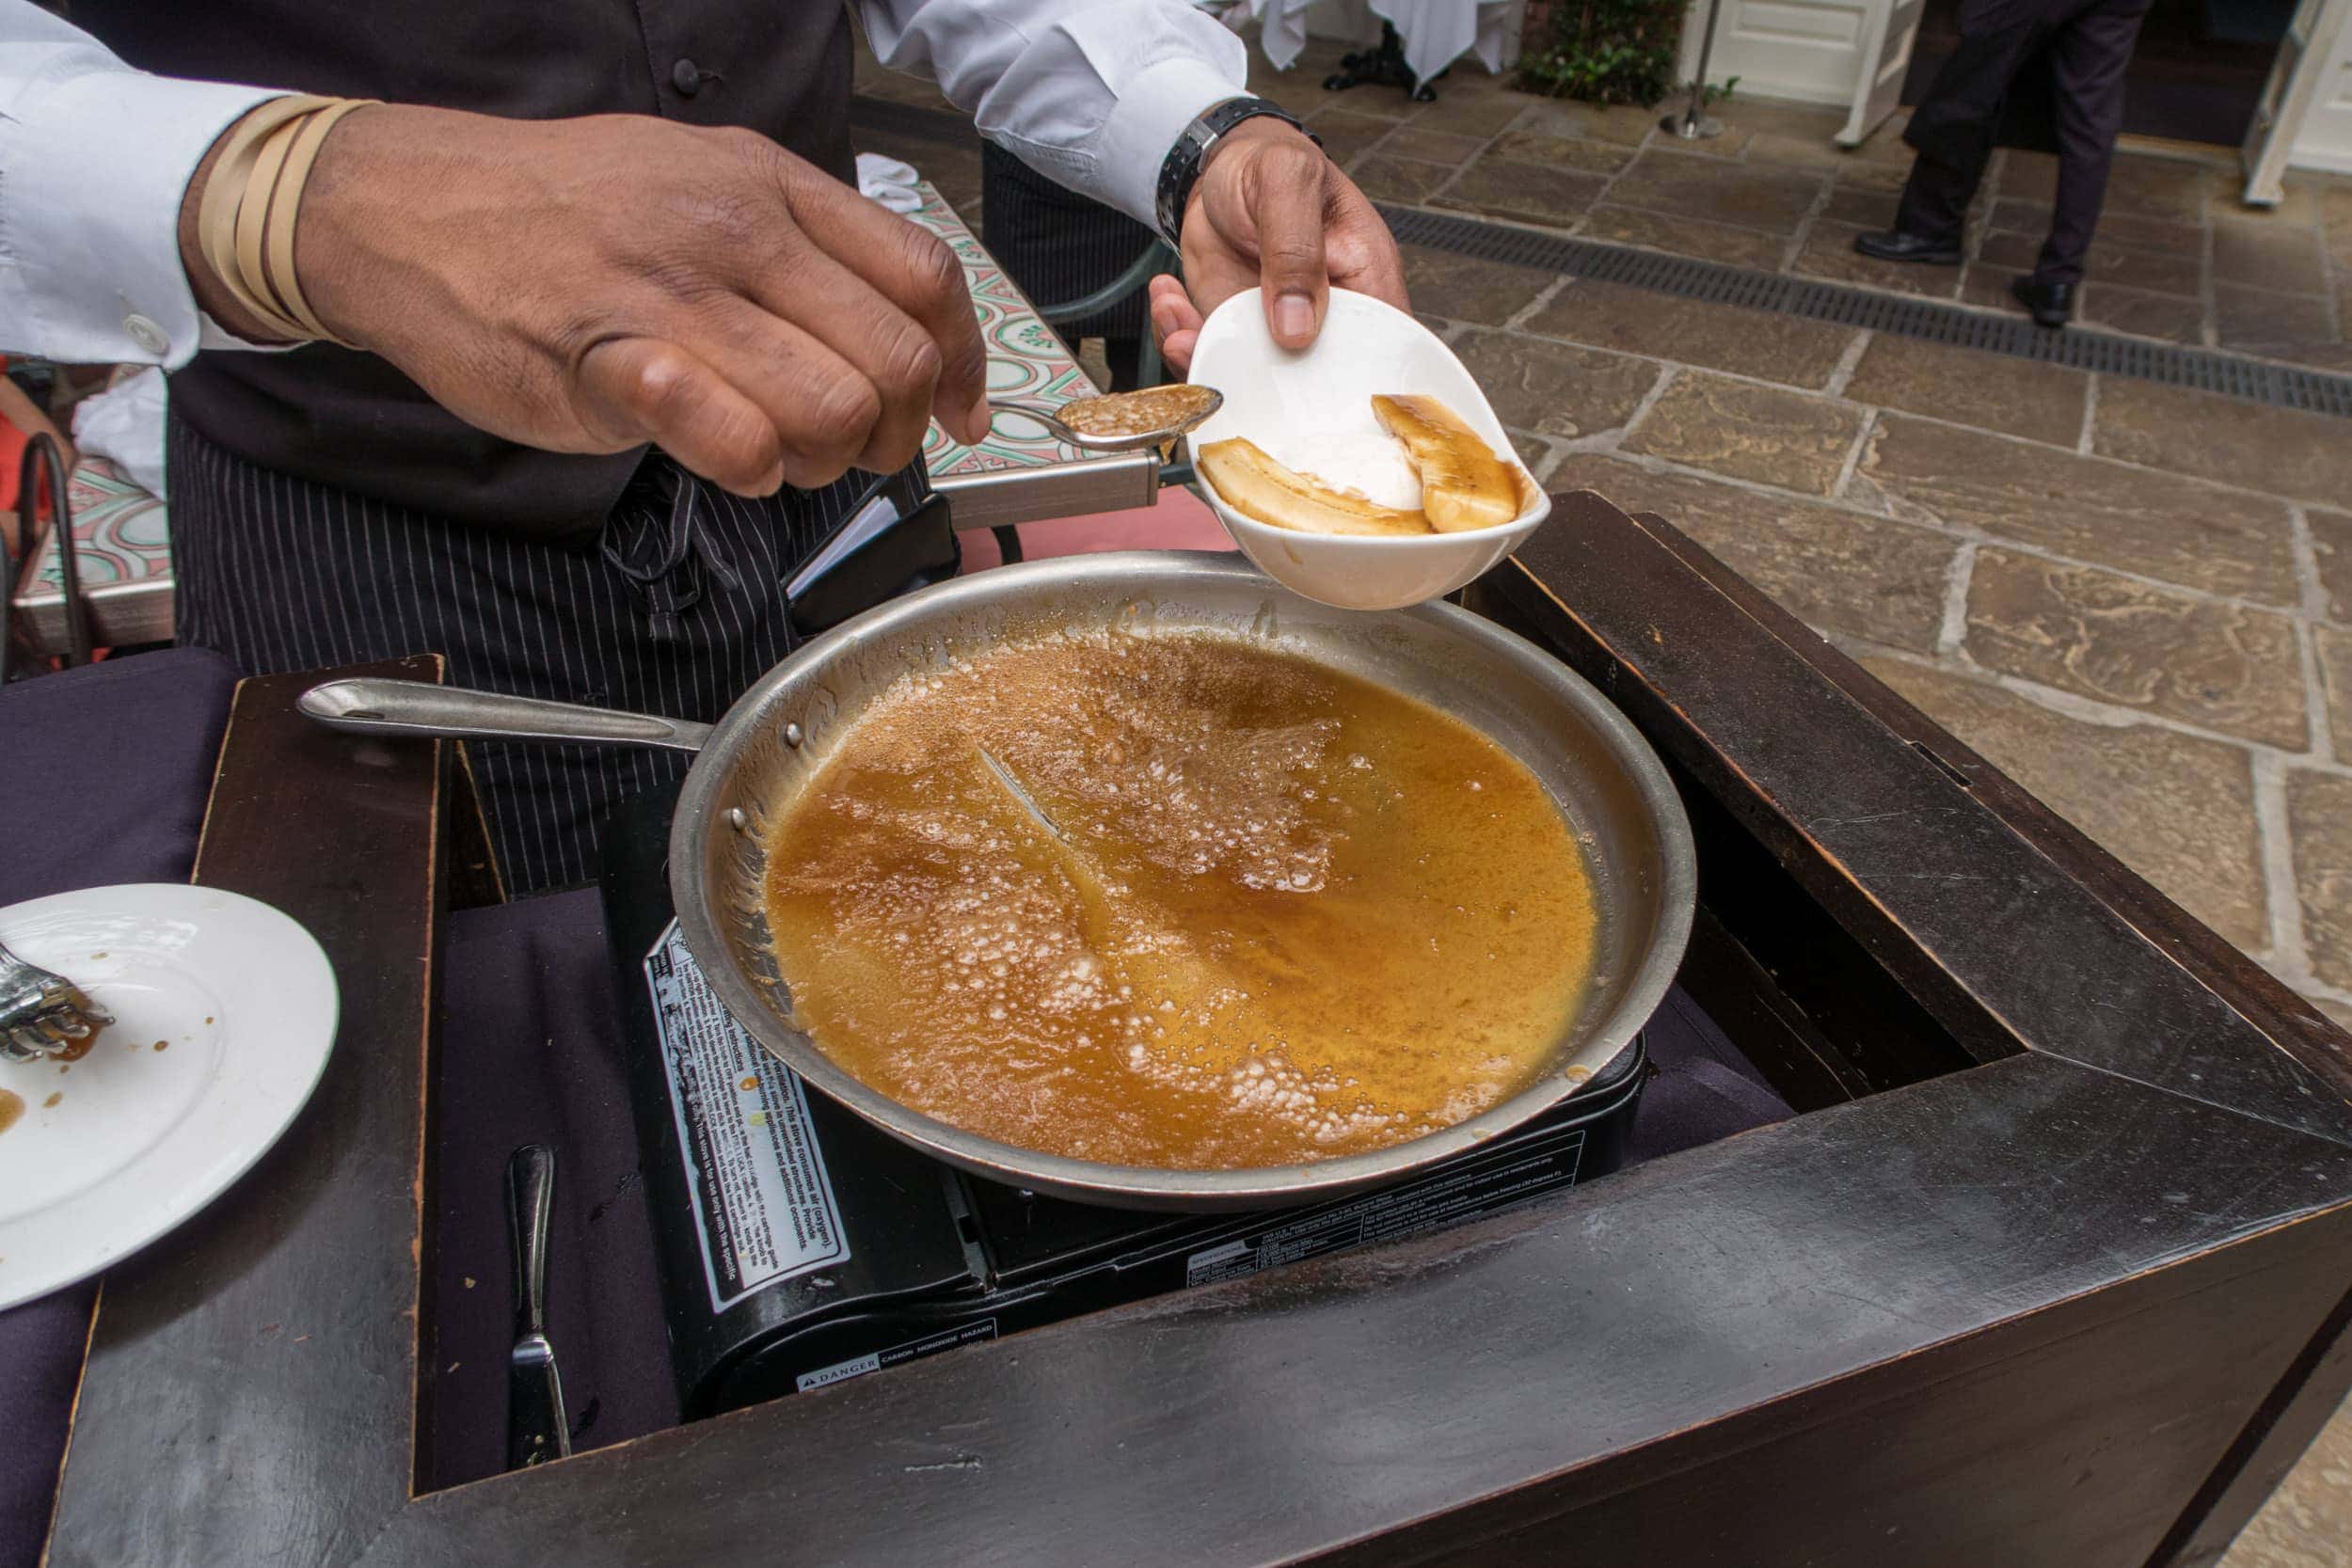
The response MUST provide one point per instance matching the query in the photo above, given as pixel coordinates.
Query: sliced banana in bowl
(1258, 488)
(1302, 463)
(1464, 486)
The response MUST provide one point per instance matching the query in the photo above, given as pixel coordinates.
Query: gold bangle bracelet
(224, 195)
(247, 218)
(285, 210)
(261, 187)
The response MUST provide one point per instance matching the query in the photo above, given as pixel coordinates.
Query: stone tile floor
(2137, 599)
(2178, 256)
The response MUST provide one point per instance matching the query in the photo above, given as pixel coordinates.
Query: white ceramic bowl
(1274, 396)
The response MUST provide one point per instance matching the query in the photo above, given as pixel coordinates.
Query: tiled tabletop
(1020, 474)
(123, 550)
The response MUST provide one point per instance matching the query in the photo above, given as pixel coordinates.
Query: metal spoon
(1188, 405)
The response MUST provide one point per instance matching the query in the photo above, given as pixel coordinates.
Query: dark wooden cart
(2055, 1268)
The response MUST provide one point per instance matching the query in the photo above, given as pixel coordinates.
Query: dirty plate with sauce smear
(224, 1012)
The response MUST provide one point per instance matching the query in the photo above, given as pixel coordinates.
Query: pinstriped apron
(675, 610)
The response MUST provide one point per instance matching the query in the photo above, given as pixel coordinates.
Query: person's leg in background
(1953, 132)
(1060, 247)
(2087, 58)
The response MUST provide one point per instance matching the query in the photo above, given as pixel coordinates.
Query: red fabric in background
(1180, 521)
(13, 444)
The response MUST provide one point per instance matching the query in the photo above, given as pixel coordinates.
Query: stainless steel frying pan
(755, 762)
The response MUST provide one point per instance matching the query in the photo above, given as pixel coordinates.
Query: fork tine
(43, 1006)
(76, 1004)
(30, 1042)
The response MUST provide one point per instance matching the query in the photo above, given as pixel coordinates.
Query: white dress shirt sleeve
(94, 159)
(1089, 93)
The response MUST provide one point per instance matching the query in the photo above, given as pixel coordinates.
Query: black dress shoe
(1892, 245)
(2052, 303)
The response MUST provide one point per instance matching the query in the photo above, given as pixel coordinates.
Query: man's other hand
(587, 285)
(1269, 209)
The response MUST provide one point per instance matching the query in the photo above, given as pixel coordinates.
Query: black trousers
(1060, 246)
(2088, 45)
(674, 610)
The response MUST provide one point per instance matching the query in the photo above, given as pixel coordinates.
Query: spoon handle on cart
(369, 707)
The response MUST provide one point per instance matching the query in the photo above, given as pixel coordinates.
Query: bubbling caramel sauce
(1273, 915)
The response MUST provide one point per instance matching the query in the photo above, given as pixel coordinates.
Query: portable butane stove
(800, 1246)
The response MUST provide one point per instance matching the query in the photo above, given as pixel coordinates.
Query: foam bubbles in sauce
(1289, 915)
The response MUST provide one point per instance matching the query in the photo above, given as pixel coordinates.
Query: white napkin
(888, 181)
(126, 424)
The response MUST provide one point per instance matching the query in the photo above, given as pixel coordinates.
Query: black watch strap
(1182, 167)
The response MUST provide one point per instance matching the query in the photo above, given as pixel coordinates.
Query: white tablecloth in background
(1436, 32)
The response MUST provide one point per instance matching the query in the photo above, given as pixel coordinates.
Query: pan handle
(421, 708)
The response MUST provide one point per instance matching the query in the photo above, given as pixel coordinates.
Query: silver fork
(43, 1014)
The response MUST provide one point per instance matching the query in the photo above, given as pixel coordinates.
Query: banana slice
(1463, 484)
(1257, 486)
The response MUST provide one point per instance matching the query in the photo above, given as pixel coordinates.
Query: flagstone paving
(2179, 256)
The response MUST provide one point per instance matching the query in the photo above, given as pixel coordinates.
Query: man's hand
(1270, 209)
(587, 285)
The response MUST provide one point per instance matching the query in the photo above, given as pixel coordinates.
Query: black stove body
(798, 1247)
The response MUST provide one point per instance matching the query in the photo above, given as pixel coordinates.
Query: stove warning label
(931, 1344)
(763, 1205)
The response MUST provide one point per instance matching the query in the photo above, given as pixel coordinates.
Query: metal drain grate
(2255, 380)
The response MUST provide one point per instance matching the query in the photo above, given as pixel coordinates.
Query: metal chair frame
(43, 458)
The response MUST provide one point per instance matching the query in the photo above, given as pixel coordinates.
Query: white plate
(1276, 396)
(224, 1012)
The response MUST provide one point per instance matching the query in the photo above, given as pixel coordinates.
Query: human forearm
(1095, 93)
(1092, 93)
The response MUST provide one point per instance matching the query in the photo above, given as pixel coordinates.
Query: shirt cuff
(211, 334)
(1154, 105)
(99, 281)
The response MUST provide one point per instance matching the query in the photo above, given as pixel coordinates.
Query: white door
(1852, 54)
(2304, 117)
(1887, 34)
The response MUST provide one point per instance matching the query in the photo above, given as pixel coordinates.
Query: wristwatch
(1182, 165)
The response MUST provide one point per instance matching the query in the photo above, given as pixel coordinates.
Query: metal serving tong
(1104, 423)
(43, 1014)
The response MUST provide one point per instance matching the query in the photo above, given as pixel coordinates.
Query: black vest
(351, 420)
